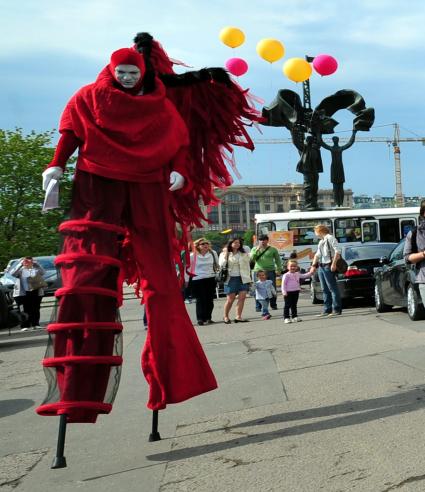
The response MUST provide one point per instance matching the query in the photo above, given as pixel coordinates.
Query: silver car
(51, 275)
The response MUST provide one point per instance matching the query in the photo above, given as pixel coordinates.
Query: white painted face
(127, 75)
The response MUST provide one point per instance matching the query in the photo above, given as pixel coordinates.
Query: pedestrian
(414, 250)
(266, 258)
(28, 290)
(325, 259)
(264, 291)
(292, 256)
(203, 268)
(238, 280)
(187, 287)
(291, 290)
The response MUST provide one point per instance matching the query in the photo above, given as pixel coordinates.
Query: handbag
(37, 282)
(254, 260)
(341, 264)
(223, 272)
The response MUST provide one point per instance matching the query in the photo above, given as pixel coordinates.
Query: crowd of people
(248, 271)
(254, 272)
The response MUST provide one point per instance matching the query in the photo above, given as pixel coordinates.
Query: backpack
(414, 240)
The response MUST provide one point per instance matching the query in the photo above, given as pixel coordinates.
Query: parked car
(358, 280)
(51, 275)
(395, 285)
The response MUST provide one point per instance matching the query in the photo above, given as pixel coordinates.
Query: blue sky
(49, 49)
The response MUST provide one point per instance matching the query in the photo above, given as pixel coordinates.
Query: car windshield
(365, 252)
(46, 263)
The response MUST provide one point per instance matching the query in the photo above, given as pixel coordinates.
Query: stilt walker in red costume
(150, 143)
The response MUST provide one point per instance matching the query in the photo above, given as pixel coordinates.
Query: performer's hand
(176, 181)
(51, 173)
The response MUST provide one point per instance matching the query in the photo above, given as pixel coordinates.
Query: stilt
(60, 460)
(154, 435)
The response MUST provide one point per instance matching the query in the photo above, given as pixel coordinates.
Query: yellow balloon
(297, 69)
(232, 36)
(270, 49)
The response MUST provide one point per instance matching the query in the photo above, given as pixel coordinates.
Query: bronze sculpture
(287, 110)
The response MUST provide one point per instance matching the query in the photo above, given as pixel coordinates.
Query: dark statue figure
(337, 167)
(287, 111)
(310, 165)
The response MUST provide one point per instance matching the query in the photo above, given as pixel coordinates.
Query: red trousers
(83, 359)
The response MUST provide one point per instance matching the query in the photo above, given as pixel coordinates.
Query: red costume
(123, 226)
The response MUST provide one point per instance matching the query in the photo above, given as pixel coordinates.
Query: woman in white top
(25, 293)
(239, 277)
(203, 267)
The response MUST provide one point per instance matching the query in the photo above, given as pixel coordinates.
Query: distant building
(378, 201)
(239, 204)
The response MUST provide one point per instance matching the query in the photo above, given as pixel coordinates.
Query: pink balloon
(236, 66)
(325, 64)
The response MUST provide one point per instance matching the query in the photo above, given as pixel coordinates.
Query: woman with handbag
(29, 290)
(326, 259)
(235, 260)
(203, 268)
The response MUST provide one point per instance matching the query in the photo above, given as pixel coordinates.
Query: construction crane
(394, 141)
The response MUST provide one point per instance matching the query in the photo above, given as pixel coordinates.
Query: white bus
(294, 230)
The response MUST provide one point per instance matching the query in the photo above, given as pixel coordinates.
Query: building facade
(240, 203)
(378, 201)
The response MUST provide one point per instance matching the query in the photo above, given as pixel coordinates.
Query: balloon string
(271, 78)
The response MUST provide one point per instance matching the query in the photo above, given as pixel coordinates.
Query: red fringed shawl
(125, 137)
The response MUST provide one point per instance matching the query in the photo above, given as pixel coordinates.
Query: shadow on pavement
(359, 412)
(10, 407)
(36, 339)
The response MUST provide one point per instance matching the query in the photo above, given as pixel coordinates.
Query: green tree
(24, 229)
(247, 237)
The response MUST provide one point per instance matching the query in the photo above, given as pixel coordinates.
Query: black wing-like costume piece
(217, 112)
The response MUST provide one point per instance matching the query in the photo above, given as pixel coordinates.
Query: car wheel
(4, 310)
(380, 306)
(313, 297)
(415, 309)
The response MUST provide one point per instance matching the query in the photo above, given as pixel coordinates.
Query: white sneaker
(188, 301)
(37, 327)
(287, 320)
(24, 329)
(296, 320)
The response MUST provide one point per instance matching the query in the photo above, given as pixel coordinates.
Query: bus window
(370, 230)
(265, 228)
(406, 225)
(348, 230)
(304, 230)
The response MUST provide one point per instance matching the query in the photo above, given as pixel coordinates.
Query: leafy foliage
(248, 237)
(24, 229)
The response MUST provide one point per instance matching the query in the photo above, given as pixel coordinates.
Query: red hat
(127, 56)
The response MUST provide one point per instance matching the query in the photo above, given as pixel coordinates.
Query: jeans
(291, 301)
(32, 302)
(204, 291)
(271, 275)
(331, 297)
(264, 303)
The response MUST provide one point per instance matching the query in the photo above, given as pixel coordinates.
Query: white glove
(51, 173)
(176, 181)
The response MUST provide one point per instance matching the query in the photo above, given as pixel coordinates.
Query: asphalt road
(322, 405)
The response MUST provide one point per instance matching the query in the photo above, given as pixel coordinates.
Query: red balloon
(325, 64)
(236, 66)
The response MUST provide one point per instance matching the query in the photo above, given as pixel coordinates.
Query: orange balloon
(270, 49)
(297, 69)
(232, 36)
